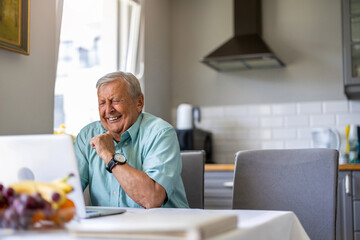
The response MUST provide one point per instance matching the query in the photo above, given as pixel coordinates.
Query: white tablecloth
(252, 224)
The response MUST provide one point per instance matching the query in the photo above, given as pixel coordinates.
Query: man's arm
(137, 184)
(83, 164)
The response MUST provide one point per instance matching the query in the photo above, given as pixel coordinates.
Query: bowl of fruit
(34, 205)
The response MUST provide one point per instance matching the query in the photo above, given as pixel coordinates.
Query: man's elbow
(155, 201)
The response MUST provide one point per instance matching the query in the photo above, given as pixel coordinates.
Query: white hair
(133, 83)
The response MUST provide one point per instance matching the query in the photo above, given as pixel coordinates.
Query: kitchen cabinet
(218, 189)
(356, 203)
(351, 47)
(344, 221)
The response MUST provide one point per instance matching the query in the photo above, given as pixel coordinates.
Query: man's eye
(101, 103)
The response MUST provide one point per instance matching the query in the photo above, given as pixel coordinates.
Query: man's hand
(104, 146)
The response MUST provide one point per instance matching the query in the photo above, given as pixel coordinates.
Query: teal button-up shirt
(149, 145)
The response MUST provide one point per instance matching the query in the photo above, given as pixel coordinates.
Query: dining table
(251, 224)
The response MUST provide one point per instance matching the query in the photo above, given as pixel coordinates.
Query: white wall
(306, 35)
(27, 82)
(157, 76)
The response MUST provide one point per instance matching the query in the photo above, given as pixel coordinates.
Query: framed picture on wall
(14, 25)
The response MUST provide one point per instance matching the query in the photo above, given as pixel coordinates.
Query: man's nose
(109, 108)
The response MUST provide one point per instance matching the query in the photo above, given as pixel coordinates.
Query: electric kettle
(325, 138)
(186, 116)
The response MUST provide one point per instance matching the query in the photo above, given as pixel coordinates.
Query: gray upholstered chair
(300, 180)
(193, 177)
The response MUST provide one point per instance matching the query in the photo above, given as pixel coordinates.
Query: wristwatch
(116, 159)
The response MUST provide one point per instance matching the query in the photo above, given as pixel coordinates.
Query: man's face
(118, 111)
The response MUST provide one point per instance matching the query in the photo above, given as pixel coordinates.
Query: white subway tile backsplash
(354, 106)
(325, 120)
(232, 111)
(259, 109)
(284, 109)
(349, 118)
(297, 144)
(212, 112)
(261, 134)
(284, 133)
(309, 107)
(304, 133)
(272, 122)
(240, 134)
(272, 126)
(250, 145)
(248, 122)
(335, 106)
(272, 145)
(297, 121)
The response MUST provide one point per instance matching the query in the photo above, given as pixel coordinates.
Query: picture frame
(15, 25)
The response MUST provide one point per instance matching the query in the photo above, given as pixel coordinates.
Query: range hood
(246, 50)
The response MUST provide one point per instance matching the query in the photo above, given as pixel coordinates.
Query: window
(97, 37)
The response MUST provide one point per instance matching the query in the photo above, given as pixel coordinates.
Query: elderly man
(129, 158)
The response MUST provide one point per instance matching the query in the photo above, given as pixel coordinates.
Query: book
(155, 226)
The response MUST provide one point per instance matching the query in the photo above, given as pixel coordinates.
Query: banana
(62, 183)
(45, 189)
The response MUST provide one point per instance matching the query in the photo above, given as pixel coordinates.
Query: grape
(1, 187)
(29, 201)
(17, 210)
(8, 192)
(36, 195)
(2, 200)
(19, 206)
(55, 197)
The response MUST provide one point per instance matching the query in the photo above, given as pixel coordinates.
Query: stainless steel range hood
(246, 50)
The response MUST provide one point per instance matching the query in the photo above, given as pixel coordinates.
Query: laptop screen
(45, 157)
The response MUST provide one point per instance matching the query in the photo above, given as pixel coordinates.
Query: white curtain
(130, 37)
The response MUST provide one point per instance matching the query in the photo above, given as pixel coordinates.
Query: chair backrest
(303, 181)
(193, 177)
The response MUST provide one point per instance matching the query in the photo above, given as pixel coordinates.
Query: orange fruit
(38, 216)
(65, 213)
(67, 204)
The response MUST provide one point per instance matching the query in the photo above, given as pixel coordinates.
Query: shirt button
(125, 143)
(117, 148)
(114, 193)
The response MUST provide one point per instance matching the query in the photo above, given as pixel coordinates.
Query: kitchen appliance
(186, 116)
(353, 141)
(325, 138)
(190, 137)
(246, 50)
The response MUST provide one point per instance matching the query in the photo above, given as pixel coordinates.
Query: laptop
(46, 157)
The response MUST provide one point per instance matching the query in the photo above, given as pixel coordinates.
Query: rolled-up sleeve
(163, 162)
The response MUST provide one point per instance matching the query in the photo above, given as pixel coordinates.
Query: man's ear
(140, 103)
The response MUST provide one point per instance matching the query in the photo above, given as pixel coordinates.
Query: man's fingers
(92, 143)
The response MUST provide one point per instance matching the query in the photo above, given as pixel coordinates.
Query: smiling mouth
(113, 118)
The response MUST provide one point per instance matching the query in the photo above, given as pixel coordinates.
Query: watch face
(119, 158)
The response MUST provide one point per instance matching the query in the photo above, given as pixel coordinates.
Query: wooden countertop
(230, 167)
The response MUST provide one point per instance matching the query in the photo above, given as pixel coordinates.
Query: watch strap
(111, 165)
